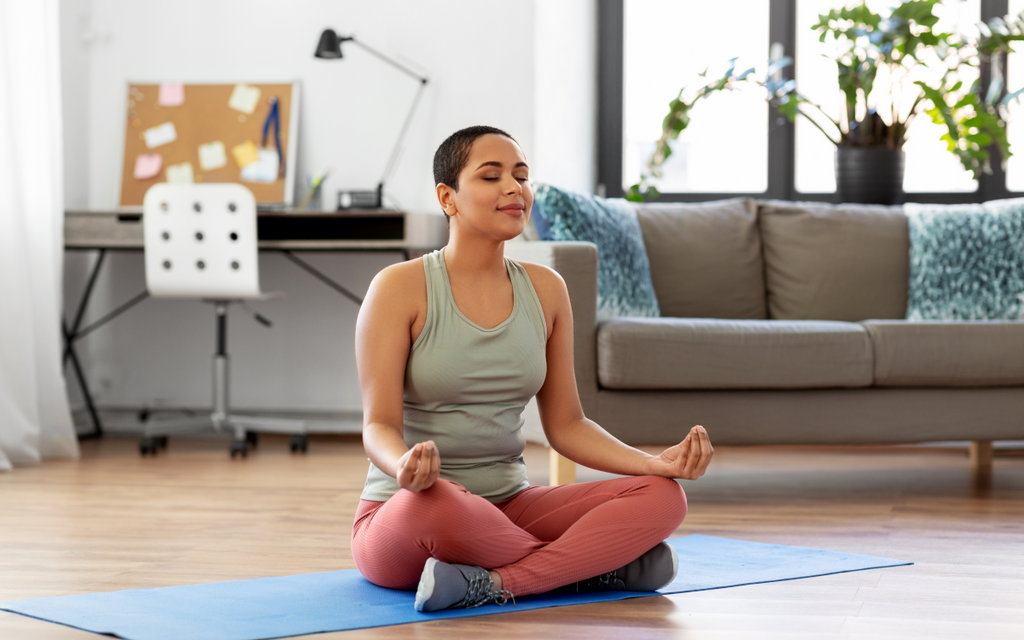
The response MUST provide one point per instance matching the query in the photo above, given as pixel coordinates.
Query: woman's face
(494, 196)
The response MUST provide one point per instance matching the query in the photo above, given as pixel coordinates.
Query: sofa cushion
(966, 261)
(834, 262)
(705, 258)
(623, 271)
(948, 354)
(692, 353)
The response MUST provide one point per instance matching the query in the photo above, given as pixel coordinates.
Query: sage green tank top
(466, 387)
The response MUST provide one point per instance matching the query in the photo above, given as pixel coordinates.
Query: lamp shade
(329, 46)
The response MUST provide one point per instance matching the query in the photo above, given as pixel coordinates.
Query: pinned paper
(212, 156)
(244, 98)
(180, 173)
(147, 165)
(245, 153)
(160, 135)
(264, 169)
(172, 94)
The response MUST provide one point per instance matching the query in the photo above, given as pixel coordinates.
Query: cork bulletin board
(210, 133)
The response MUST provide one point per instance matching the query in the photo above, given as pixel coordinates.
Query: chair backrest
(200, 241)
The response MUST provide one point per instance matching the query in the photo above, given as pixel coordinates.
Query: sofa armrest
(576, 262)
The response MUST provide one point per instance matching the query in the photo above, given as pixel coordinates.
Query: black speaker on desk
(361, 199)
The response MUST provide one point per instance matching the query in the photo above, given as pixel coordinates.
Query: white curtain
(35, 422)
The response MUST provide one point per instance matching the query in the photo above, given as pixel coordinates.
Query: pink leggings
(537, 540)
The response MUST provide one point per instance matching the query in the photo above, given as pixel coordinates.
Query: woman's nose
(512, 186)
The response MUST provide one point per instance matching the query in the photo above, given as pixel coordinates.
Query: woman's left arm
(582, 440)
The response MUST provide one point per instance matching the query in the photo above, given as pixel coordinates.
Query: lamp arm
(388, 60)
(401, 134)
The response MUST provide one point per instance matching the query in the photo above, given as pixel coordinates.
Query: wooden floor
(113, 520)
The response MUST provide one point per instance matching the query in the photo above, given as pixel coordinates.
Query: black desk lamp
(330, 48)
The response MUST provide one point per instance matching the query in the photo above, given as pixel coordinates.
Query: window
(1015, 130)
(649, 49)
(667, 44)
(929, 167)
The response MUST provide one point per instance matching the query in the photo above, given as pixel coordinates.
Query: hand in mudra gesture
(687, 460)
(419, 467)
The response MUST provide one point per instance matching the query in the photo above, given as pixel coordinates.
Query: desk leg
(322, 278)
(70, 334)
(97, 426)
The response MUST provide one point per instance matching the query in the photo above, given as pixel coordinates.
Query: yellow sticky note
(212, 156)
(245, 153)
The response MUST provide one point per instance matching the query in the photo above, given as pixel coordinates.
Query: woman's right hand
(419, 467)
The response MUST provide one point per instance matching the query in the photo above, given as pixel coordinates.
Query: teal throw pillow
(966, 261)
(623, 274)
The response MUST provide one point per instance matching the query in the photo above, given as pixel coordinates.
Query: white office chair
(200, 242)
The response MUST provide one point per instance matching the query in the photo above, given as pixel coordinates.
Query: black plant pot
(869, 175)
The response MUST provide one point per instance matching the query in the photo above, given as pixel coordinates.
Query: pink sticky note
(147, 165)
(172, 94)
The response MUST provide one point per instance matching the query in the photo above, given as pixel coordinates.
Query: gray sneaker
(649, 572)
(456, 586)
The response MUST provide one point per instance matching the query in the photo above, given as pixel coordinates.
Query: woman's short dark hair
(453, 154)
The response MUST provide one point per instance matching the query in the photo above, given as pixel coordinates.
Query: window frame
(781, 132)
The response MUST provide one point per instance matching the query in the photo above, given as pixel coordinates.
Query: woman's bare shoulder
(547, 282)
(401, 282)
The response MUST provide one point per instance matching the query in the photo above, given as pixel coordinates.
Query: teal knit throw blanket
(966, 261)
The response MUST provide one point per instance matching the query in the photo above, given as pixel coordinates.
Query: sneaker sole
(426, 586)
(675, 565)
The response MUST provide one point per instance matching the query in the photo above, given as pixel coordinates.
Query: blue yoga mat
(342, 600)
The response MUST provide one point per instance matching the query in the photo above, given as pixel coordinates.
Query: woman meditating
(450, 348)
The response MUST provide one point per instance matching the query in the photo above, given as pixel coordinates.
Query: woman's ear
(446, 198)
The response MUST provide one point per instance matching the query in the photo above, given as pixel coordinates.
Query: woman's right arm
(393, 304)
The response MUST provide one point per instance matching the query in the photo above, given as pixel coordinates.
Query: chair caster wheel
(149, 446)
(161, 441)
(252, 438)
(299, 443)
(239, 448)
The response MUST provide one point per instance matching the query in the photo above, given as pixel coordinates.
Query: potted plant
(891, 68)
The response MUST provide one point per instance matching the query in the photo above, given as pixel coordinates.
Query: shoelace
(479, 593)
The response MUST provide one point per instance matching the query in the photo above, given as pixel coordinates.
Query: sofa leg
(980, 454)
(563, 470)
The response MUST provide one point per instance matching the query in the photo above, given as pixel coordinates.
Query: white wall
(75, 16)
(486, 64)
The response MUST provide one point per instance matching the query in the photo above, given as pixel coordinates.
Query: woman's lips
(512, 209)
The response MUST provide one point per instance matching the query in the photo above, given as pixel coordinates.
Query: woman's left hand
(687, 460)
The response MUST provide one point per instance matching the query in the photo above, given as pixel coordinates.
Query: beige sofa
(782, 323)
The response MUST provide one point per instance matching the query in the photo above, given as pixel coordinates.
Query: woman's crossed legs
(537, 540)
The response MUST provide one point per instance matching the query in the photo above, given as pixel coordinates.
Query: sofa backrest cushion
(705, 258)
(835, 262)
